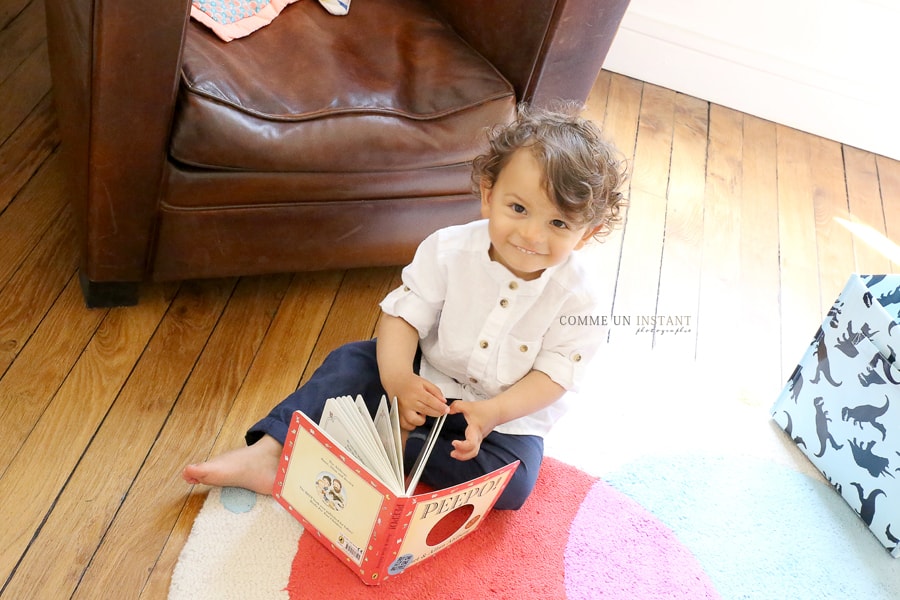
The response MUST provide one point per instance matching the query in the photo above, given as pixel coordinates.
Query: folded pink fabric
(232, 19)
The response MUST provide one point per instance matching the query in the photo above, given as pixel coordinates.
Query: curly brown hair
(582, 171)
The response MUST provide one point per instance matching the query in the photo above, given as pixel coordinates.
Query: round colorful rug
(675, 527)
(670, 486)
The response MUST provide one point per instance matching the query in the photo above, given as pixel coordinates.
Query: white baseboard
(823, 67)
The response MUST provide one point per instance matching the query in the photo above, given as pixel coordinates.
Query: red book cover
(376, 533)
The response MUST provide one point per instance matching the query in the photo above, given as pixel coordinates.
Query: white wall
(828, 67)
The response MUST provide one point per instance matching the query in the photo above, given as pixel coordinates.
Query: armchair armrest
(548, 49)
(115, 66)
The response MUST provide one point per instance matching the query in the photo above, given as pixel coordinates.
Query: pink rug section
(619, 550)
(575, 538)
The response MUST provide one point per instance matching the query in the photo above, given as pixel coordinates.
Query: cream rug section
(233, 535)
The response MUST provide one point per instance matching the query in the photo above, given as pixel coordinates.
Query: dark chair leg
(108, 294)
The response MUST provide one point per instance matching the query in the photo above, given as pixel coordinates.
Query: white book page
(368, 424)
(386, 434)
(422, 459)
(382, 455)
(365, 435)
(395, 428)
(342, 421)
(337, 424)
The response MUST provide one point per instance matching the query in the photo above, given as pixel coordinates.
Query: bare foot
(252, 467)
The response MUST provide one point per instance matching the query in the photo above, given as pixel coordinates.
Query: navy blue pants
(352, 370)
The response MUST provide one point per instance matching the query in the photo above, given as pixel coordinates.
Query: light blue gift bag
(841, 405)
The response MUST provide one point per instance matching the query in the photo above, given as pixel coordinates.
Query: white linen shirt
(482, 329)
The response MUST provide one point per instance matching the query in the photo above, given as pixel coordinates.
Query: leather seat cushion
(388, 87)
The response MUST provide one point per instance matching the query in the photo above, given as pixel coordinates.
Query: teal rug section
(762, 530)
(238, 500)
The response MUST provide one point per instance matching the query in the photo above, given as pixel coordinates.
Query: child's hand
(418, 398)
(481, 418)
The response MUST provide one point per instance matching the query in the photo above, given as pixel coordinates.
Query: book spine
(391, 539)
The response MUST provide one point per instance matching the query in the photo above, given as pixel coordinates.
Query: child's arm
(530, 394)
(395, 350)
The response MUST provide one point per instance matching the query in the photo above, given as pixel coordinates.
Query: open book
(376, 443)
(344, 480)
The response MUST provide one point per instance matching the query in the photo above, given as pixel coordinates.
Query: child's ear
(588, 234)
(485, 200)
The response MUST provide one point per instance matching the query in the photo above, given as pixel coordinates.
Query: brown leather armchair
(317, 142)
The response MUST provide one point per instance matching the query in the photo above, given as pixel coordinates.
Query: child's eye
(518, 208)
(559, 224)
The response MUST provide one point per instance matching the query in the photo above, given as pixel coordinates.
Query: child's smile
(528, 232)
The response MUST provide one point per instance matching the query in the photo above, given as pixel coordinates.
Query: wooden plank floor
(743, 227)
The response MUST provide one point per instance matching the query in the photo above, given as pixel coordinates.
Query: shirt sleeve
(570, 343)
(420, 298)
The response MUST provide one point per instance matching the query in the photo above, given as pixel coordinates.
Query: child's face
(528, 233)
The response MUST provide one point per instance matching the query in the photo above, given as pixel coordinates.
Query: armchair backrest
(548, 49)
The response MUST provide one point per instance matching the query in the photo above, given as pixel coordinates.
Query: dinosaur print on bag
(867, 414)
(822, 432)
(841, 404)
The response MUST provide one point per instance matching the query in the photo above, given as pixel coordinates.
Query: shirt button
(472, 380)
(576, 358)
(513, 285)
(504, 302)
(405, 288)
(523, 348)
(483, 344)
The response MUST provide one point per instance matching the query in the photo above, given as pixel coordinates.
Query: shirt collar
(502, 275)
